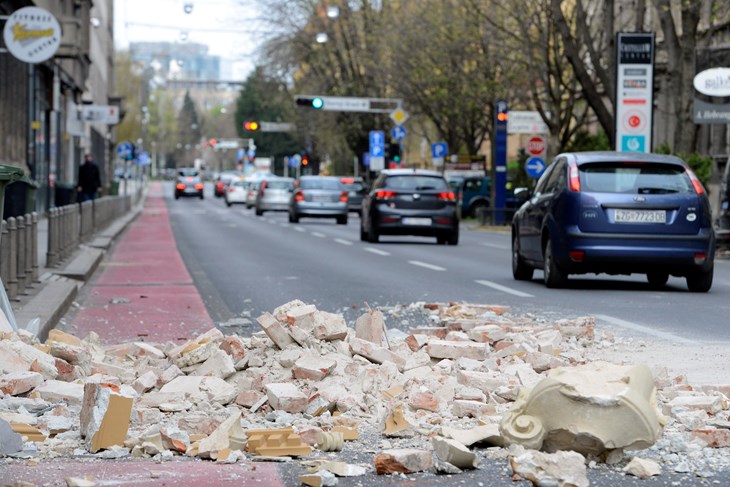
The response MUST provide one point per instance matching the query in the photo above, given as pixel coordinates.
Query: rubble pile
(471, 381)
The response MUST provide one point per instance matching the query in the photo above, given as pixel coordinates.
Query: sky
(225, 26)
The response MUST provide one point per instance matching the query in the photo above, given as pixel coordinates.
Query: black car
(410, 202)
(189, 184)
(356, 191)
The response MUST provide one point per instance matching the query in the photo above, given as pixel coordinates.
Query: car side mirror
(522, 193)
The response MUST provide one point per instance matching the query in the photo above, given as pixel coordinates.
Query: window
(635, 178)
(416, 183)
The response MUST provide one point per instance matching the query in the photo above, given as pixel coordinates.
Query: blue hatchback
(616, 213)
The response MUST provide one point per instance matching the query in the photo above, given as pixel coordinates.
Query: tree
(188, 131)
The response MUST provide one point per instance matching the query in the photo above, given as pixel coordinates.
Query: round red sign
(536, 145)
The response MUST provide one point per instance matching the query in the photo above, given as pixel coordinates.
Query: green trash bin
(8, 175)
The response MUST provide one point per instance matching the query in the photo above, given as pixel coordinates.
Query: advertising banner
(634, 91)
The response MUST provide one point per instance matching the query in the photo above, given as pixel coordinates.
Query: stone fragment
(713, 438)
(18, 353)
(219, 364)
(453, 452)
(313, 368)
(146, 415)
(375, 353)
(212, 389)
(488, 434)
(370, 327)
(105, 415)
(147, 350)
(309, 434)
(424, 400)
(455, 350)
(276, 442)
(285, 396)
(197, 353)
(56, 391)
(300, 316)
(248, 398)
(584, 404)
(280, 312)
(487, 333)
(396, 423)
(170, 373)
(475, 409)
(16, 383)
(125, 374)
(318, 405)
(145, 382)
(28, 432)
(229, 435)
(87, 481)
(349, 433)
(56, 335)
(320, 479)
(234, 346)
(329, 326)
(561, 469)
(275, 331)
(710, 404)
(173, 438)
(342, 469)
(642, 468)
(404, 460)
(10, 441)
(416, 342)
(330, 441)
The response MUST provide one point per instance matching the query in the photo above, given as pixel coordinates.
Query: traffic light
(310, 102)
(305, 160)
(502, 117)
(395, 154)
(213, 142)
(251, 126)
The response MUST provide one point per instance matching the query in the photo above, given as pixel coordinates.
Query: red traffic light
(213, 142)
(251, 126)
(305, 160)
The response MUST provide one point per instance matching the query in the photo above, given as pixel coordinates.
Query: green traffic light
(317, 103)
(396, 158)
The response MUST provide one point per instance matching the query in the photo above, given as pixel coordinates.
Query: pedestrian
(89, 179)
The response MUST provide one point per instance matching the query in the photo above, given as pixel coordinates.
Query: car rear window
(278, 184)
(416, 183)
(317, 183)
(354, 186)
(636, 178)
(238, 183)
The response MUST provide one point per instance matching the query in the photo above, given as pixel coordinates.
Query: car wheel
(554, 277)
(342, 220)
(441, 240)
(373, 235)
(363, 234)
(228, 204)
(475, 208)
(520, 270)
(259, 212)
(202, 196)
(657, 279)
(453, 238)
(177, 196)
(701, 281)
(293, 218)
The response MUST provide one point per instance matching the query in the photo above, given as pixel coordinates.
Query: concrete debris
(642, 468)
(562, 469)
(465, 380)
(87, 481)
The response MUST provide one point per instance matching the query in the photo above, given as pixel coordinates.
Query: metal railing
(68, 227)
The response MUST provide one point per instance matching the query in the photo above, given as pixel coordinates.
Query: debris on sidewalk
(466, 382)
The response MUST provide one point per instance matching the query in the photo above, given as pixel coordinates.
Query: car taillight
(382, 194)
(577, 255)
(199, 186)
(231, 189)
(699, 189)
(263, 186)
(299, 196)
(343, 197)
(700, 259)
(574, 177)
(180, 186)
(447, 196)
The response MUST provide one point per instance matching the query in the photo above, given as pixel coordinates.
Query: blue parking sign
(439, 150)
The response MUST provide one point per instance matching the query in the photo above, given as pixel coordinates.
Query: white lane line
(284, 225)
(504, 289)
(496, 246)
(376, 251)
(319, 235)
(343, 241)
(646, 330)
(300, 229)
(426, 265)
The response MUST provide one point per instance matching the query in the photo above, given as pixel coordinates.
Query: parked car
(616, 213)
(236, 192)
(318, 197)
(188, 183)
(222, 181)
(410, 202)
(273, 194)
(356, 190)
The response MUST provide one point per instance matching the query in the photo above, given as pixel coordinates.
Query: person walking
(89, 180)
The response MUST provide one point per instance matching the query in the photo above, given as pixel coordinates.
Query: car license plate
(416, 221)
(641, 216)
(321, 198)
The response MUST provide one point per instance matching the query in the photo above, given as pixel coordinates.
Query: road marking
(646, 330)
(300, 229)
(284, 225)
(319, 235)
(426, 265)
(343, 241)
(496, 246)
(376, 251)
(504, 289)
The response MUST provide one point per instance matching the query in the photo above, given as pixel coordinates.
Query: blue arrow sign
(535, 167)
(124, 150)
(398, 133)
(377, 143)
(439, 149)
(143, 159)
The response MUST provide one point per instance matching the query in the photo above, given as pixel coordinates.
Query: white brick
(456, 350)
(286, 397)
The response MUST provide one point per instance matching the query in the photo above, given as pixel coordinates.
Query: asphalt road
(244, 265)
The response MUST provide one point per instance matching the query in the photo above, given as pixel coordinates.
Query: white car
(236, 192)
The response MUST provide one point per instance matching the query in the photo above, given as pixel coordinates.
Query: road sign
(536, 146)
(352, 104)
(534, 167)
(143, 159)
(526, 122)
(398, 133)
(399, 116)
(439, 149)
(124, 150)
(377, 150)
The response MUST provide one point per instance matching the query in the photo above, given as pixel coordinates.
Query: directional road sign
(534, 167)
(398, 133)
(124, 150)
(143, 159)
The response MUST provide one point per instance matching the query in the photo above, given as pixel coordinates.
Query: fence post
(21, 254)
(13, 267)
(34, 247)
(52, 252)
(28, 250)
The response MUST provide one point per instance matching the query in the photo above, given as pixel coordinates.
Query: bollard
(4, 252)
(28, 250)
(21, 254)
(34, 248)
(52, 251)
(12, 282)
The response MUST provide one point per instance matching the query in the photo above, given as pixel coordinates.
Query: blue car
(616, 213)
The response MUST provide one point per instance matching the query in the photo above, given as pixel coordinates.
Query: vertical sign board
(634, 91)
(500, 160)
(712, 85)
(377, 150)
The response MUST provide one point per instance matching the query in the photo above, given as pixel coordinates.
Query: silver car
(273, 195)
(318, 197)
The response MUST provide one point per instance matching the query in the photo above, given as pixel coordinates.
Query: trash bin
(8, 175)
(114, 188)
(64, 194)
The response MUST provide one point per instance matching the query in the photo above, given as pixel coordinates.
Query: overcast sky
(224, 25)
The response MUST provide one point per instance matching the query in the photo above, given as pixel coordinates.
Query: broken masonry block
(105, 415)
(276, 442)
